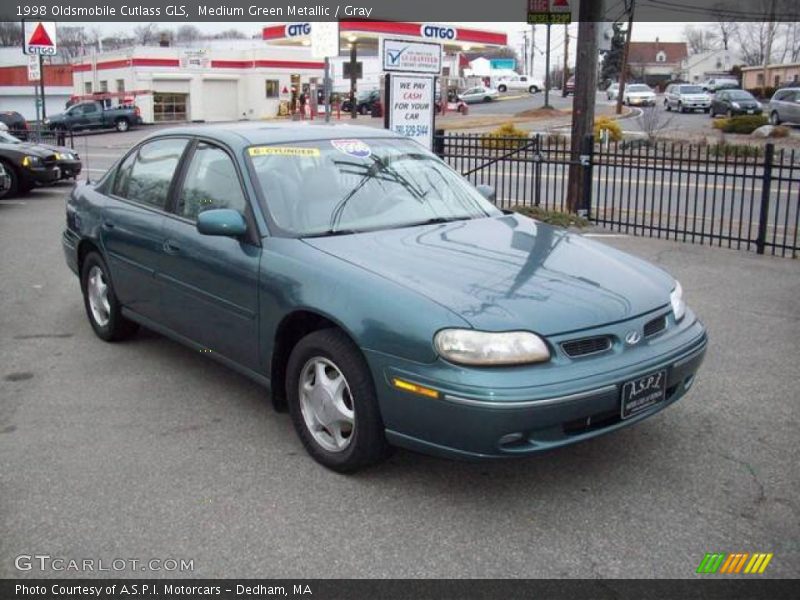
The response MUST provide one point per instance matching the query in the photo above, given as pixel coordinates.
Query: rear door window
(146, 174)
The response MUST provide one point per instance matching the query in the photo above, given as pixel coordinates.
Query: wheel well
(291, 330)
(84, 247)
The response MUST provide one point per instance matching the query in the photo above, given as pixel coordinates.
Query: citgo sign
(437, 32)
(298, 29)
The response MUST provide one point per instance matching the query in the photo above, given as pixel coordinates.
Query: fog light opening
(687, 383)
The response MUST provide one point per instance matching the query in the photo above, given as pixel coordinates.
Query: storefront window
(169, 107)
(87, 87)
(103, 86)
(273, 88)
(120, 85)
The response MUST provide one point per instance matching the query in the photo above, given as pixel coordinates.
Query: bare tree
(229, 34)
(724, 24)
(10, 33)
(653, 121)
(146, 35)
(698, 39)
(187, 33)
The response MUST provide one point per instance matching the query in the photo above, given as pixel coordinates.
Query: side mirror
(487, 192)
(221, 221)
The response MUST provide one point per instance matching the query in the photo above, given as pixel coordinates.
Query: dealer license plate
(640, 394)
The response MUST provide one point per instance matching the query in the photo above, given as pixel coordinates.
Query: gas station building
(251, 81)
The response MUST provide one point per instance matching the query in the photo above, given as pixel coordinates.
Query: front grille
(655, 326)
(586, 346)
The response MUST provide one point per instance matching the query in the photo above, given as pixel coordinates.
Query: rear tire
(350, 433)
(501, 88)
(774, 118)
(533, 89)
(102, 307)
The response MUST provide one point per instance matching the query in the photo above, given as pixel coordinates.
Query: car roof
(249, 133)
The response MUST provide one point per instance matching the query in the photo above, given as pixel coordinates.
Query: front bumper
(41, 175)
(642, 101)
(491, 422)
(70, 168)
(695, 104)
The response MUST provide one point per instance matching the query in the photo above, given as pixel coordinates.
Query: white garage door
(220, 100)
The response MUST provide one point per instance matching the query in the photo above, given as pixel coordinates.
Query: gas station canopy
(367, 33)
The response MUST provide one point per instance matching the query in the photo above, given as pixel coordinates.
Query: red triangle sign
(40, 37)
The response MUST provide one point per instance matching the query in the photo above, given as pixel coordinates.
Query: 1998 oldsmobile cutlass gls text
(382, 298)
(203, 10)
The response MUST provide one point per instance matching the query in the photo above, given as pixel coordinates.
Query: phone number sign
(411, 107)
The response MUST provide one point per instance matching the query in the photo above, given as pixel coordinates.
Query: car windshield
(340, 186)
(639, 88)
(740, 95)
(7, 138)
(691, 89)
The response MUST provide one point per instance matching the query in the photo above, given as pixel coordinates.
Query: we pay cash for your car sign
(411, 109)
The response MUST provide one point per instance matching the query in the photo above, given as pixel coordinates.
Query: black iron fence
(745, 197)
(43, 135)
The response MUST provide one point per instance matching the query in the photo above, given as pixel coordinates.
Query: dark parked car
(16, 123)
(378, 293)
(365, 102)
(67, 159)
(734, 102)
(95, 115)
(27, 166)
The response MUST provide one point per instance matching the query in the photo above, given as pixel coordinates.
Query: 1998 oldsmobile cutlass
(377, 293)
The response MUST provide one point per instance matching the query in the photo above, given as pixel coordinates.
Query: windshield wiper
(432, 221)
(331, 233)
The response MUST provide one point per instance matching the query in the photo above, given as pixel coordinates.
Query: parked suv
(518, 82)
(785, 106)
(720, 83)
(686, 96)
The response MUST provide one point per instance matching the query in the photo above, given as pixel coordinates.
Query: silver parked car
(785, 106)
(686, 96)
(478, 94)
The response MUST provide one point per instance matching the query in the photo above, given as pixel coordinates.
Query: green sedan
(381, 298)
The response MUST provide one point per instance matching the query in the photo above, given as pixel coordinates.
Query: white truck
(517, 82)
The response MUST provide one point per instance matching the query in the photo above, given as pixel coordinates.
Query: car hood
(46, 148)
(509, 272)
(27, 149)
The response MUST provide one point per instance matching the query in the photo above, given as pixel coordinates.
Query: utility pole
(566, 60)
(353, 62)
(533, 47)
(547, 72)
(326, 89)
(623, 74)
(41, 83)
(579, 188)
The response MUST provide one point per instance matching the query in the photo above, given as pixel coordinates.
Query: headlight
(31, 161)
(736, 105)
(676, 300)
(469, 347)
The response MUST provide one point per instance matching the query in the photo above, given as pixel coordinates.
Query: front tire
(122, 125)
(13, 182)
(333, 404)
(501, 88)
(100, 301)
(533, 89)
(774, 118)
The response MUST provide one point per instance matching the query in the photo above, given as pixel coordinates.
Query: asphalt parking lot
(146, 449)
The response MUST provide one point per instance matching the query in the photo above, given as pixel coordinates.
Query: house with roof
(696, 68)
(656, 63)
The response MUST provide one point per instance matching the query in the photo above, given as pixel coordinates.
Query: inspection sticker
(282, 151)
(355, 148)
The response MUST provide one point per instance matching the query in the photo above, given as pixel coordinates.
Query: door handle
(108, 224)
(171, 247)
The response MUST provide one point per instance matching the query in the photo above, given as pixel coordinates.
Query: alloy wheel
(326, 404)
(97, 290)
